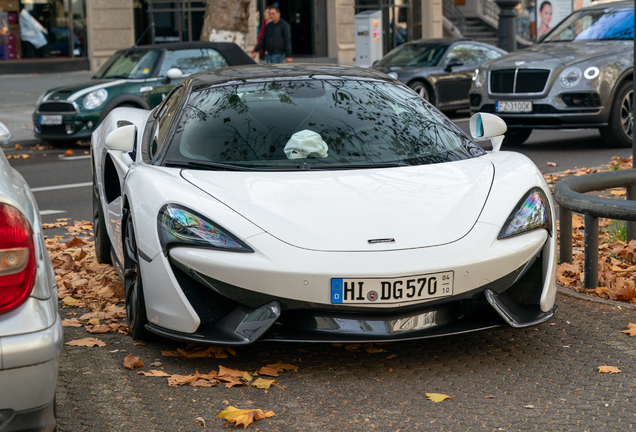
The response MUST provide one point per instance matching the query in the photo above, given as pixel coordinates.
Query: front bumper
(75, 126)
(287, 298)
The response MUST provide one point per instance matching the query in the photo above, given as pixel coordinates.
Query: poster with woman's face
(550, 13)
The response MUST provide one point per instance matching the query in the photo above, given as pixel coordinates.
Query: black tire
(514, 137)
(100, 235)
(421, 89)
(133, 285)
(620, 131)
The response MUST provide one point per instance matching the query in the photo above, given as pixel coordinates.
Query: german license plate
(513, 107)
(50, 120)
(391, 290)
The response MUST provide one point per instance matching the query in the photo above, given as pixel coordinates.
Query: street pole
(506, 32)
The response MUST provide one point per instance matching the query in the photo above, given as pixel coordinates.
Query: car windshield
(414, 54)
(190, 61)
(314, 124)
(595, 24)
(130, 64)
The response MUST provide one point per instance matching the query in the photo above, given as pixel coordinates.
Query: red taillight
(17, 258)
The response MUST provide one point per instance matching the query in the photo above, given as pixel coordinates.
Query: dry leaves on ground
(437, 397)
(631, 330)
(609, 369)
(87, 342)
(192, 351)
(244, 417)
(131, 362)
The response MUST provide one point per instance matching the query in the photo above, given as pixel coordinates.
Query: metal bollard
(565, 235)
(631, 226)
(591, 252)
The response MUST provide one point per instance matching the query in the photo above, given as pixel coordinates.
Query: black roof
(232, 52)
(281, 71)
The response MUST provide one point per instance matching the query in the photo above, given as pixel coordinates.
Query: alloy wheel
(627, 113)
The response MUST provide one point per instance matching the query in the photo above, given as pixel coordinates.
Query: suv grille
(526, 80)
(56, 107)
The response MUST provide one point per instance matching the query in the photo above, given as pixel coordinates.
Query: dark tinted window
(346, 122)
(191, 60)
(164, 121)
(595, 24)
(414, 54)
(129, 64)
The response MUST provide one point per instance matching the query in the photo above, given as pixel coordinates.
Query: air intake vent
(56, 107)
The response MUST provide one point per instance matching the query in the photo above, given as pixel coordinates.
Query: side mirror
(122, 139)
(484, 125)
(451, 64)
(173, 74)
(5, 135)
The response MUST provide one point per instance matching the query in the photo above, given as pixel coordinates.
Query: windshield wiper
(205, 165)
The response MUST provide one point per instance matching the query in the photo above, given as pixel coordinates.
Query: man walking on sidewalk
(277, 39)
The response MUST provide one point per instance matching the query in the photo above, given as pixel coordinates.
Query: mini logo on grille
(519, 63)
(385, 240)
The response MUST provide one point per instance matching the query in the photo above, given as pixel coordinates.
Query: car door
(454, 82)
(188, 61)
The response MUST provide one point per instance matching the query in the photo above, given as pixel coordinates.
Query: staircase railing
(454, 15)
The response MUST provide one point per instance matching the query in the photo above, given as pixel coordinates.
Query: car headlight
(95, 98)
(179, 225)
(393, 75)
(532, 212)
(478, 78)
(570, 77)
(591, 72)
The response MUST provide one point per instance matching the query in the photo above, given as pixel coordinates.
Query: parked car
(317, 203)
(30, 326)
(136, 77)
(579, 76)
(439, 70)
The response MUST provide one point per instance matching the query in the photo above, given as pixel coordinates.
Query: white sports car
(317, 203)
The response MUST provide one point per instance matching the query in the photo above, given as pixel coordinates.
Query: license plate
(50, 120)
(391, 290)
(513, 107)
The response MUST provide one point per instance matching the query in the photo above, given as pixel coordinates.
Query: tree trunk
(226, 21)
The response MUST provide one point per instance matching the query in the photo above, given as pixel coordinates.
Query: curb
(571, 293)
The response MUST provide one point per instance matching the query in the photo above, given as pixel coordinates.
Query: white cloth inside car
(305, 143)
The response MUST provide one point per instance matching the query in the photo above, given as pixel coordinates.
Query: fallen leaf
(268, 371)
(282, 366)
(552, 164)
(100, 329)
(200, 421)
(631, 330)
(18, 147)
(70, 302)
(87, 342)
(74, 242)
(223, 371)
(263, 383)
(437, 397)
(154, 373)
(608, 369)
(72, 322)
(68, 152)
(244, 417)
(131, 362)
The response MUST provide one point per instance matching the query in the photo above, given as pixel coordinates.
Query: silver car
(579, 76)
(30, 326)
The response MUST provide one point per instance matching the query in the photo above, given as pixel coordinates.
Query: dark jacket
(277, 39)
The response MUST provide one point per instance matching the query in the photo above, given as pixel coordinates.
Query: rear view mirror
(451, 64)
(5, 135)
(484, 125)
(122, 139)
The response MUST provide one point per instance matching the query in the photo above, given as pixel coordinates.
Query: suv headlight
(179, 225)
(479, 76)
(570, 77)
(531, 212)
(95, 98)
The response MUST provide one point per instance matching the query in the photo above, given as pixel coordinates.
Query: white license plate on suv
(391, 290)
(513, 107)
(50, 120)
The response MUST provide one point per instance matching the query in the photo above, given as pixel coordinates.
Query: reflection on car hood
(554, 54)
(71, 91)
(417, 206)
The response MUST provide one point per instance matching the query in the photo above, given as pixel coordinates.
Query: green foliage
(616, 231)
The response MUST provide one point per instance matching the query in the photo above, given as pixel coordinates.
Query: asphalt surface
(539, 378)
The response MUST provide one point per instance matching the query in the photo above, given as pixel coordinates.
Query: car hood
(75, 91)
(555, 54)
(415, 206)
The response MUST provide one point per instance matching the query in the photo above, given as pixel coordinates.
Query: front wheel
(135, 303)
(514, 137)
(420, 88)
(620, 131)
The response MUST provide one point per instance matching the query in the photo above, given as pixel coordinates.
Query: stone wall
(110, 27)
